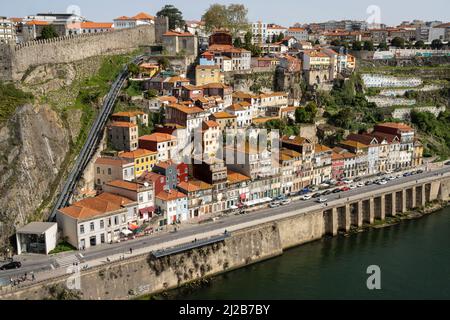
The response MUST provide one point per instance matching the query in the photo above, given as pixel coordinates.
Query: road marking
(66, 261)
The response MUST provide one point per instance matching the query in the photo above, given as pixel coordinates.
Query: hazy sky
(284, 12)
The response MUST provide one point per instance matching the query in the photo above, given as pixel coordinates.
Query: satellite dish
(146, 184)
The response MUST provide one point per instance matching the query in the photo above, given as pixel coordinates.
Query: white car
(274, 204)
(321, 200)
(347, 181)
(392, 178)
(382, 182)
(352, 186)
(306, 197)
(360, 185)
(285, 202)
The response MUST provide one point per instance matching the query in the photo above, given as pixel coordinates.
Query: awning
(133, 226)
(146, 210)
(126, 232)
(257, 201)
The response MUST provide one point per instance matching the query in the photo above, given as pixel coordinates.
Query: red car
(345, 189)
(340, 183)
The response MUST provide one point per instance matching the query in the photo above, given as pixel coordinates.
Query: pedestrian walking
(131, 250)
(33, 278)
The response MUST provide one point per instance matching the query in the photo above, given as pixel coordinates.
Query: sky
(284, 12)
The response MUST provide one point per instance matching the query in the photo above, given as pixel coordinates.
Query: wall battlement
(15, 60)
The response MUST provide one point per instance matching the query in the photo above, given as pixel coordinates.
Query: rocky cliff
(39, 140)
(33, 145)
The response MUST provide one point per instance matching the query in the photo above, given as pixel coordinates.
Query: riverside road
(186, 234)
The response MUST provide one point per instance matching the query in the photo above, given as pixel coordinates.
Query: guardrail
(92, 141)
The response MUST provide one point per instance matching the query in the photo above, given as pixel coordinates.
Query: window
(116, 220)
(109, 171)
(102, 224)
(102, 237)
(92, 226)
(98, 170)
(123, 218)
(81, 228)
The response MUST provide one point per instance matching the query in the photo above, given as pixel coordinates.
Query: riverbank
(212, 284)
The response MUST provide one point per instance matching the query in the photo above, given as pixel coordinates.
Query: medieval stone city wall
(16, 60)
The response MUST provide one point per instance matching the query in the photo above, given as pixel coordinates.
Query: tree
(336, 43)
(280, 37)
(368, 45)
(398, 42)
(317, 42)
(133, 68)
(175, 16)
(49, 32)
(436, 44)
(164, 63)
(248, 40)
(232, 17)
(383, 46)
(419, 44)
(237, 42)
(356, 45)
(306, 114)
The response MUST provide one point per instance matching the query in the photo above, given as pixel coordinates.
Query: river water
(413, 256)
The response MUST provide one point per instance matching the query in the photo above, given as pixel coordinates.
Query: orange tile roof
(354, 144)
(123, 124)
(143, 16)
(128, 114)
(124, 18)
(168, 98)
(158, 137)
(236, 107)
(236, 177)
(37, 23)
(138, 153)
(177, 79)
(91, 25)
(172, 195)
(165, 164)
(223, 115)
(185, 109)
(194, 185)
(132, 186)
(96, 206)
(400, 126)
(296, 140)
(209, 124)
(113, 161)
(179, 34)
(321, 148)
(296, 29)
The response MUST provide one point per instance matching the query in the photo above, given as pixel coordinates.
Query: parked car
(321, 200)
(407, 174)
(285, 202)
(345, 189)
(306, 197)
(280, 197)
(360, 185)
(382, 182)
(313, 188)
(337, 190)
(352, 186)
(11, 265)
(391, 178)
(340, 183)
(317, 195)
(357, 179)
(447, 163)
(274, 204)
(347, 181)
(419, 171)
(327, 192)
(369, 182)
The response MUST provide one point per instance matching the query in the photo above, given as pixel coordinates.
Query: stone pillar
(371, 210)
(382, 207)
(394, 204)
(348, 220)
(413, 197)
(334, 219)
(404, 201)
(423, 200)
(359, 219)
